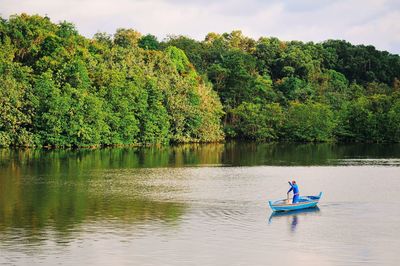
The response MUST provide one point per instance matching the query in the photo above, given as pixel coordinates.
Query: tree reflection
(65, 188)
(60, 190)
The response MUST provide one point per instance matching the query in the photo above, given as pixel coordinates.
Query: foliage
(149, 42)
(369, 119)
(58, 88)
(309, 122)
(320, 88)
(258, 121)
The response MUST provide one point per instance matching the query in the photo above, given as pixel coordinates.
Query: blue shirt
(295, 188)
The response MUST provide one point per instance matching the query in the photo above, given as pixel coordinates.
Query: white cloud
(381, 29)
(361, 22)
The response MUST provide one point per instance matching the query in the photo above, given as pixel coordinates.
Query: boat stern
(270, 205)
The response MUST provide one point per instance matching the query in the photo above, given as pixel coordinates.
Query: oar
(287, 198)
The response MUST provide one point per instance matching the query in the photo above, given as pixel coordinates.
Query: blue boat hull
(304, 203)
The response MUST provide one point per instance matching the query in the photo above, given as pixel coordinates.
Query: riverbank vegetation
(58, 88)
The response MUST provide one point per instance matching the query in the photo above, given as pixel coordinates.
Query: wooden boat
(286, 204)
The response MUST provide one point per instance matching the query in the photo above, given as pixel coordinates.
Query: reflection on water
(391, 162)
(293, 216)
(33, 205)
(199, 204)
(229, 154)
(286, 154)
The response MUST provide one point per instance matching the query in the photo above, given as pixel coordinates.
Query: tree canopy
(290, 90)
(60, 89)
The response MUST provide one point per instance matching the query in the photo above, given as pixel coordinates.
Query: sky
(375, 22)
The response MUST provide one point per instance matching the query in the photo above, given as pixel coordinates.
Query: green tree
(15, 106)
(58, 88)
(293, 88)
(309, 122)
(149, 42)
(394, 122)
(258, 122)
(126, 38)
(366, 119)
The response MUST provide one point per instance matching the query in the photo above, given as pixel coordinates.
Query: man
(295, 188)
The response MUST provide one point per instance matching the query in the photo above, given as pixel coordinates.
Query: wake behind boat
(304, 202)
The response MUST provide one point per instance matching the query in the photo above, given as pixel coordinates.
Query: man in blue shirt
(296, 194)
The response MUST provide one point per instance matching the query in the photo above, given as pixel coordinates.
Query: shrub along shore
(60, 89)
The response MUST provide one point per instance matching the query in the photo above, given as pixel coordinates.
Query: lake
(200, 204)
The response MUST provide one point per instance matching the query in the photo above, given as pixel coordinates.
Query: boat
(286, 205)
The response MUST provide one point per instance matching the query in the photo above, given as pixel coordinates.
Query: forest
(61, 89)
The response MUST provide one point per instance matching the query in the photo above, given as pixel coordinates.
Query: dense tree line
(58, 88)
(276, 90)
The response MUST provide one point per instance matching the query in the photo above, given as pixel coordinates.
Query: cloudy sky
(375, 22)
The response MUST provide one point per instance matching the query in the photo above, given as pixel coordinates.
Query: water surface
(199, 205)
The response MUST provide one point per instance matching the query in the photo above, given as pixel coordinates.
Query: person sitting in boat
(295, 189)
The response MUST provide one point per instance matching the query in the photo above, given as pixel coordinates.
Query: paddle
(287, 198)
